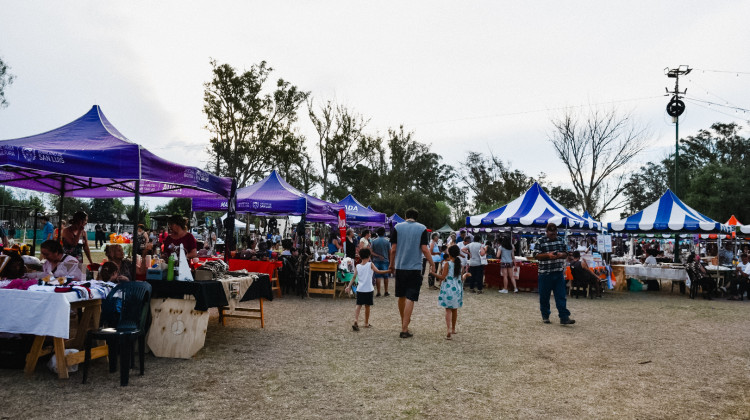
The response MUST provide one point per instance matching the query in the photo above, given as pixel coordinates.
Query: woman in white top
(59, 264)
(363, 276)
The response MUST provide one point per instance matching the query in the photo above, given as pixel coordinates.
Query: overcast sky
(462, 75)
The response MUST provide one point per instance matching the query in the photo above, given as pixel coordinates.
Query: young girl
(451, 290)
(363, 276)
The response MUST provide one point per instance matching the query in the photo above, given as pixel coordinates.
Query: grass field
(630, 355)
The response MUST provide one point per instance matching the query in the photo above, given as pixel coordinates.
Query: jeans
(477, 276)
(553, 282)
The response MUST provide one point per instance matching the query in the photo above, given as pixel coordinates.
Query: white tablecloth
(651, 272)
(38, 313)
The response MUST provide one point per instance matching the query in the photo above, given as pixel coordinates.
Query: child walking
(451, 289)
(363, 276)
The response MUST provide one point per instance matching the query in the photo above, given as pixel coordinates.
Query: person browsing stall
(74, 240)
(59, 264)
(48, 231)
(551, 254)
(381, 248)
(363, 273)
(178, 234)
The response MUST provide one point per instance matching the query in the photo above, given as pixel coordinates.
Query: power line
(711, 93)
(510, 114)
(724, 71)
(712, 109)
(736, 108)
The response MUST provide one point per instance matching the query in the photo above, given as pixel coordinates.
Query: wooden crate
(177, 330)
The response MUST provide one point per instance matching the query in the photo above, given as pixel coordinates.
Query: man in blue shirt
(48, 230)
(551, 253)
(408, 245)
(381, 249)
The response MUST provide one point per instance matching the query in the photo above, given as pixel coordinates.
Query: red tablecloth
(527, 278)
(266, 267)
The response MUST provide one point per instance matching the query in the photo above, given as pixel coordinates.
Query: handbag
(483, 259)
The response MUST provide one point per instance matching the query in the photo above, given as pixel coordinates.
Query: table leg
(262, 317)
(33, 355)
(62, 364)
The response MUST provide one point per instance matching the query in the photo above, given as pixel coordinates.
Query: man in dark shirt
(551, 254)
(408, 245)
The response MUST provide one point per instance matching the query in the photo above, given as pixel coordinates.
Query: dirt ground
(629, 355)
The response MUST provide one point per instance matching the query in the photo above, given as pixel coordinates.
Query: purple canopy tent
(273, 196)
(90, 158)
(359, 215)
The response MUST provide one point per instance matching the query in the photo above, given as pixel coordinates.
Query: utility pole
(675, 108)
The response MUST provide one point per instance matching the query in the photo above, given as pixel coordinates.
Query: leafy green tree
(71, 205)
(106, 210)
(143, 215)
(713, 174)
(179, 205)
(645, 186)
(6, 79)
(247, 125)
(565, 196)
(491, 182)
(295, 164)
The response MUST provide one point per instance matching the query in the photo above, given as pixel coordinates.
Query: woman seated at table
(699, 275)
(116, 255)
(178, 235)
(59, 264)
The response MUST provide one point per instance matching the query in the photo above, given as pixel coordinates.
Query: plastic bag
(52, 364)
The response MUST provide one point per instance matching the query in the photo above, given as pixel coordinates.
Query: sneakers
(567, 321)
(515, 291)
(355, 327)
(479, 292)
(378, 295)
(503, 291)
(406, 334)
(386, 294)
(546, 320)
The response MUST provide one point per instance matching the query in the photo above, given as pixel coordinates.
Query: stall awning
(533, 208)
(90, 158)
(667, 214)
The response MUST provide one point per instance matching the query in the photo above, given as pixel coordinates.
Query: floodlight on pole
(675, 108)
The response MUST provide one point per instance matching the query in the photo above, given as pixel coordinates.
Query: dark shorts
(364, 298)
(408, 283)
(506, 265)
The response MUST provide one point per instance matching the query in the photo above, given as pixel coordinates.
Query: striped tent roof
(533, 208)
(668, 214)
(592, 224)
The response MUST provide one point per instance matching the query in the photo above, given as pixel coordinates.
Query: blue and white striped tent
(533, 208)
(668, 214)
(593, 224)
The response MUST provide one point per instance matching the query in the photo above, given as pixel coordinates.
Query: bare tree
(342, 141)
(596, 148)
